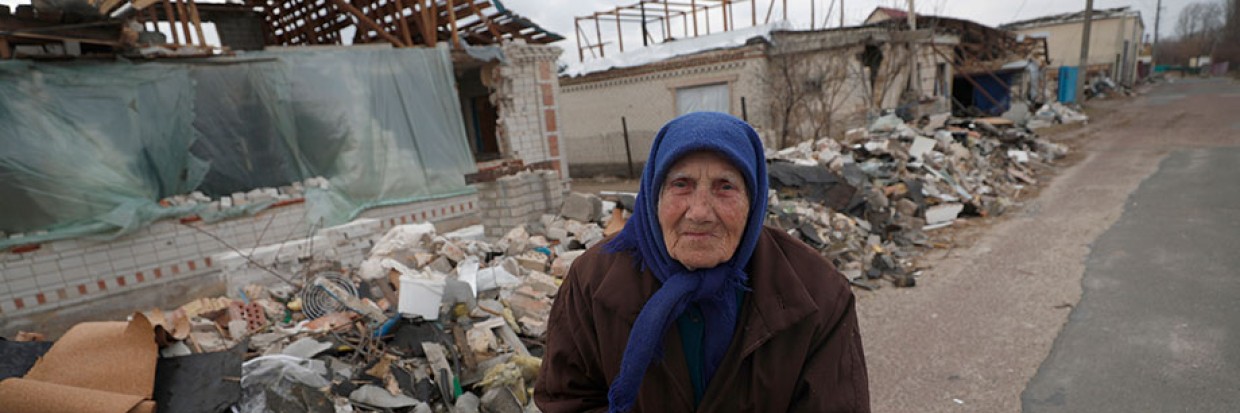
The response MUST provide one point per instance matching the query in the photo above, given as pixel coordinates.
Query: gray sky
(557, 15)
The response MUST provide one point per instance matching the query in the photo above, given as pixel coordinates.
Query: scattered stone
(582, 207)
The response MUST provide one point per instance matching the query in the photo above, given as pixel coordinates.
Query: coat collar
(777, 300)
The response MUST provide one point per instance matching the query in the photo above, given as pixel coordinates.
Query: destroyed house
(1116, 38)
(990, 68)
(791, 85)
(141, 158)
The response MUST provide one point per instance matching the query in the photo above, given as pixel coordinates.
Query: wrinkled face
(703, 206)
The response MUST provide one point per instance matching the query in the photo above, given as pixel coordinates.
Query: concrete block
(943, 213)
(582, 207)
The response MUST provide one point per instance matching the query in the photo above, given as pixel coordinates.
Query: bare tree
(1200, 26)
(809, 90)
(1229, 44)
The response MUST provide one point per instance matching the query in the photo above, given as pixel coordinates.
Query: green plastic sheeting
(90, 149)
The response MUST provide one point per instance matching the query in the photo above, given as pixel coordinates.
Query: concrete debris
(582, 207)
(1055, 113)
(414, 320)
(867, 202)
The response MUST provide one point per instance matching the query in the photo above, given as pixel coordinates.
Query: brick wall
(44, 277)
(527, 97)
(518, 199)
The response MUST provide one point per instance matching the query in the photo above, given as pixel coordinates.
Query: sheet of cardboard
(103, 367)
(30, 396)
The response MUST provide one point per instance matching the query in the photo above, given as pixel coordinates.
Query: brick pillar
(527, 96)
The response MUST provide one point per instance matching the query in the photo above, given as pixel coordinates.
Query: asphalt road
(1158, 326)
(1130, 253)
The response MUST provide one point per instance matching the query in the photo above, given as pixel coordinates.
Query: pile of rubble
(418, 321)
(426, 322)
(868, 202)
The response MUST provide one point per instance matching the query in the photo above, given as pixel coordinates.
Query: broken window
(872, 59)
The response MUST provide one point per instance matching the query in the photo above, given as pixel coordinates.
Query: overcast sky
(557, 15)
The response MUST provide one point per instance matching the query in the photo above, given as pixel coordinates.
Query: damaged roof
(1073, 17)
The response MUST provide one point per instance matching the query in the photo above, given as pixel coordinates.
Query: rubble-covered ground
(431, 322)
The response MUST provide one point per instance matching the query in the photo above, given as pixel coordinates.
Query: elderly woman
(695, 305)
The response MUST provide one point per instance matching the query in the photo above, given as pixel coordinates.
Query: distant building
(1115, 40)
(881, 14)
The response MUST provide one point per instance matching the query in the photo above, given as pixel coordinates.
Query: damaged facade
(1116, 39)
(792, 85)
(264, 164)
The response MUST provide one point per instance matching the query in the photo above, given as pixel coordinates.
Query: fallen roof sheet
(664, 51)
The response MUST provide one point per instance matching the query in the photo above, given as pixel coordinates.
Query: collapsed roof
(1063, 18)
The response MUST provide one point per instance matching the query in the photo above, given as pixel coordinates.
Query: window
(940, 79)
(705, 98)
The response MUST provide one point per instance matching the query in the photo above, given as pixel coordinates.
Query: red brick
(547, 94)
(81, 289)
(192, 266)
(103, 286)
(40, 298)
(207, 260)
(159, 273)
(176, 268)
(139, 276)
(19, 303)
(544, 71)
(120, 281)
(550, 115)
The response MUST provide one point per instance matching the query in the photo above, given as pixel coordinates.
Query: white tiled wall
(43, 277)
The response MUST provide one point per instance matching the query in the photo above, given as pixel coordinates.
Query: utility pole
(841, 13)
(1157, 20)
(915, 75)
(1084, 64)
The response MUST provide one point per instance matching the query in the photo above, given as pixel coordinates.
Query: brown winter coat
(796, 347)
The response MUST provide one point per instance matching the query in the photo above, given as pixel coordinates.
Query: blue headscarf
(714, 290)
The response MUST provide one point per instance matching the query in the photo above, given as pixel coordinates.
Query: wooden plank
(184, 19)
(171, 18)
(193, 15)
(5, 53)
(489, 23)
(430, 24)
(107, 6)
(143, 4)
(456, 41)
(404, 23)
(366, 21)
